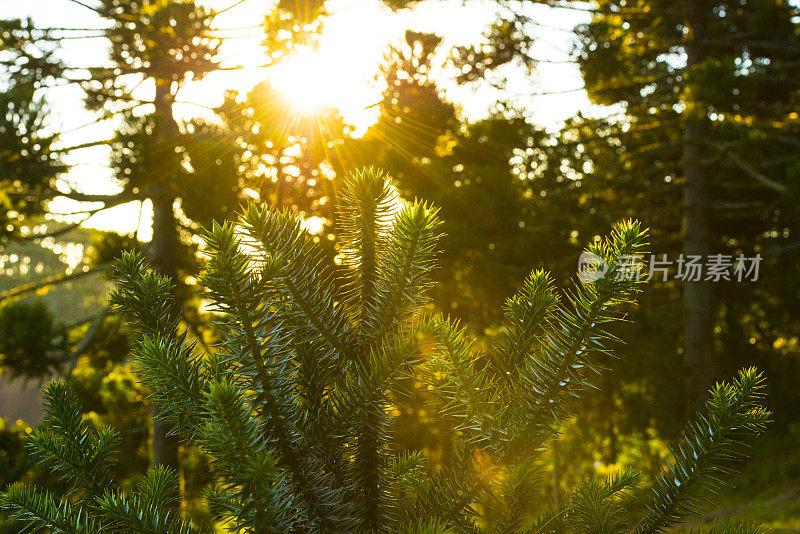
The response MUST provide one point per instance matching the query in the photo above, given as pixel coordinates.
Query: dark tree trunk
(163, 254)
(164, 248)
(698, 325)
(611, 419)
(555, 479)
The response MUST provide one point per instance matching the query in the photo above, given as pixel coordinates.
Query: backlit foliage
(294, 405)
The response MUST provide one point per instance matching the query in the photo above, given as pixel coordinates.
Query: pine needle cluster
(294, 406)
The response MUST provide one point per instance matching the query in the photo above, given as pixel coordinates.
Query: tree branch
(87, 340)
(749, 169)
(49, 281)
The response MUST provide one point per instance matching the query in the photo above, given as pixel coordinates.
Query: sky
(340, 73)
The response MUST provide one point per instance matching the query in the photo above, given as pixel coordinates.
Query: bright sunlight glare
(302, 79)
(312, 81)
(339, 73)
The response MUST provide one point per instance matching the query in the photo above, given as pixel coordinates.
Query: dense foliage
(294, 405)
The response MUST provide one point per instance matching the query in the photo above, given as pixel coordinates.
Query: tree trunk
(555, 479)
(698, 325)
(611, 419)
(164, 248)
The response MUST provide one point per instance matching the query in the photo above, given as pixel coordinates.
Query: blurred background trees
(188, 173)
(691, 126)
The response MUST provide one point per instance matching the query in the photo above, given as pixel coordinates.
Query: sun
(314, 80)
(338, 72)
(306, 82)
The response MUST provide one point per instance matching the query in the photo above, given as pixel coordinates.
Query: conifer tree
(28, 165)
(294, 405)
(708, 131)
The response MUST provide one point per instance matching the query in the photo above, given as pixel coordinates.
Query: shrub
(294, 405)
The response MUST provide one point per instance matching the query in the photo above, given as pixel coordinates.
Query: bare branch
(87, 340)
(749, 169)
(75, 195)
(50, 281)
(235, 4)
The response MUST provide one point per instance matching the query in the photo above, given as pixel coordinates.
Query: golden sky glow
(341, 73)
